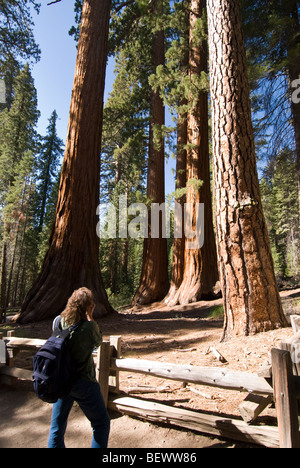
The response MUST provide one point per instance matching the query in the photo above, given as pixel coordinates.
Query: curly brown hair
(79, 304)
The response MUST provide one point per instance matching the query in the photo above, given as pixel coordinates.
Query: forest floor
(181, 335)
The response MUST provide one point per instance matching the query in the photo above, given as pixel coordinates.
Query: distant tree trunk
(179, 242)
(200, 263)
(72, 260)
(251, 298)
(3, 285)
(180, 183)
(154, 282)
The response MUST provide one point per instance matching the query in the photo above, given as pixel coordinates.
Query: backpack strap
(58, 332)
(56, 324)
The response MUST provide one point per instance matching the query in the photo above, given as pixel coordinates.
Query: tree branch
(51, 3)
(123, 5)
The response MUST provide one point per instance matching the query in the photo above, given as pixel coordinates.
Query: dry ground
(181, 335)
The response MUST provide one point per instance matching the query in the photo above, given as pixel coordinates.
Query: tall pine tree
(250, 294)
(50, 153)
(73, 255)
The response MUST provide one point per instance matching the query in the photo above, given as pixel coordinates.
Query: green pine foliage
(279, 189)
(17, 42)
(123, 161)
(50, 158)
(17, 128)
(272, 36)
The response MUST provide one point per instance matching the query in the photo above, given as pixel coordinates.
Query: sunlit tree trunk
(200, 273)
(72, 260)
(251, 298)
(154, 282)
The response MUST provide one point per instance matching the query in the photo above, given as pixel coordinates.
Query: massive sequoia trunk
(154, 282)
(200, 262)
(72, 260)
(251, 298)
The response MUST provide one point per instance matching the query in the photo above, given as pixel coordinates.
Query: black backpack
(53, 371)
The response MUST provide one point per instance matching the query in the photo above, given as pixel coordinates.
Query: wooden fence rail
(208, 376)
(283, 387)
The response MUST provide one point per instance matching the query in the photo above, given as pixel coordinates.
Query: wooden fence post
(285, 398)
(114, 379)
(10, 352)
(103, 365)
(2, 351)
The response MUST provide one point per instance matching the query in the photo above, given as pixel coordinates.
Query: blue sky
(54, 74)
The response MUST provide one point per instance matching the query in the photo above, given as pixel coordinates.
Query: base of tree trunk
(154, 282)
(56, 283)
(168, 300)
(149, 295)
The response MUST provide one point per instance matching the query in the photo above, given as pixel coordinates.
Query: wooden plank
(228, 428)
(253, 405)
(24, 343)
(285, 398)
(210, 376)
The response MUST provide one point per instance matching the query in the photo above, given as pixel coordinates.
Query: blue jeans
(89, 398)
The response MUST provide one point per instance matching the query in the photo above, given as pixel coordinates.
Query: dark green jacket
(81, 343)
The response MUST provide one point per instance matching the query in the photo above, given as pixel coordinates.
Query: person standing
(86, 390)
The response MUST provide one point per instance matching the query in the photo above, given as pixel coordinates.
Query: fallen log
(229, 428)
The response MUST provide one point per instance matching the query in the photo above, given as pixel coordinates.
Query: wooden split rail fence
(279, 382)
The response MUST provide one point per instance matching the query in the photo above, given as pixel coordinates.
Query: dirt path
(24, 423)
(182, 335)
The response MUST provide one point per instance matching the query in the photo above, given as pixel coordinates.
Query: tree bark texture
(72, 260)
(200, 264)
(154, 282)
(251, 298)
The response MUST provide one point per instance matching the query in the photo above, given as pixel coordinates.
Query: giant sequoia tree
(72, 259)
(200, 273)
(154, 282)
(251, 299)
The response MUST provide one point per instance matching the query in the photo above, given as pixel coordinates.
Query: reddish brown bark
(154, 282)
(200, 264)
(251, 298)
(72, 260)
